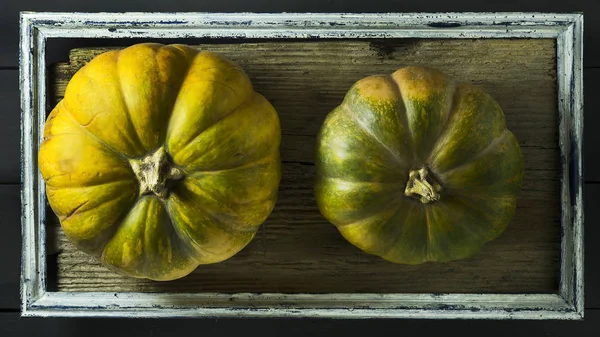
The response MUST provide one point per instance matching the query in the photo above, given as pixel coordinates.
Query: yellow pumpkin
(161, 158)
(414, 167)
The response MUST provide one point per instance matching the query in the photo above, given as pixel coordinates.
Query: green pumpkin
(161, 158)
(414, 167)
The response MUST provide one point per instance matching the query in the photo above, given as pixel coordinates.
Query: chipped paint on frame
(566, 29)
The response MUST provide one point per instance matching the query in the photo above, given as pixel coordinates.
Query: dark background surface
(10, 243)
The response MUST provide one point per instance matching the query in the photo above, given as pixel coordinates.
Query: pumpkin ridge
(91, 134)
(51, 190)
(125, 104)
(481, 120)
(90, 121)
(357, 220)
(481, 214)
(48, 180)
(220, 222)
(427, 94)
(209, 68)
(461, 193)
(131, 145)
(197, 178)
(377, 223)
(387, 183)
(66, 217)
(482, 238)
(192, 139)
(403, 117)
(428, 241)
(247, 165)
(190, 243)
(110, 230)
(178, 91)
(268, 197)
(145, 266)
(490, 147)
(183, 78)
(401, 233)
(198, 162)
(451, 111)
(399, 159)
(231, 66)
(143, 270)
(186, 74)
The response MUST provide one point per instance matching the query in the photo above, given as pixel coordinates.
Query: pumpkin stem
(419, 187)
(154, 173)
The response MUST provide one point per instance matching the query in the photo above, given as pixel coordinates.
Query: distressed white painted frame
(38, 28)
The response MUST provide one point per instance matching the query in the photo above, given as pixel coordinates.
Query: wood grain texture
(297, 250)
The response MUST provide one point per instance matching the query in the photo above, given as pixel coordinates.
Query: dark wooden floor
(12, 325)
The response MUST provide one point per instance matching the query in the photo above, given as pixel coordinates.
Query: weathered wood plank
(297, 250)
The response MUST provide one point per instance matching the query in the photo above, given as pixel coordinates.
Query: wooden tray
(299, 264)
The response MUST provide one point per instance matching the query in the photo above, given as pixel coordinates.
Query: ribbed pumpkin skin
(388, 126)
(201, 109)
